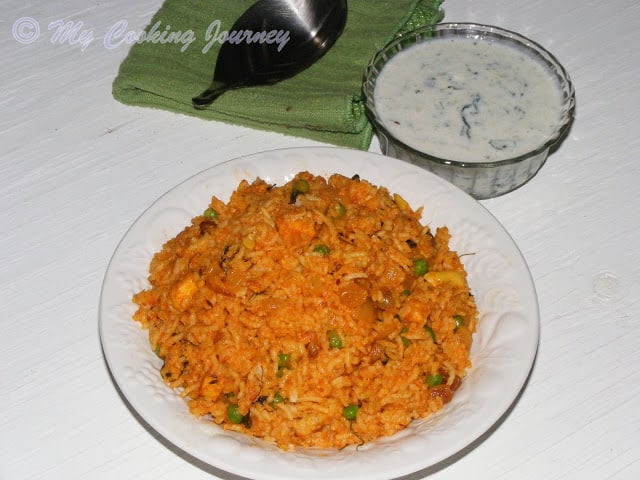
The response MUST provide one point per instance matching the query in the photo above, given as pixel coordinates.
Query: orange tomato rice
(319, 313)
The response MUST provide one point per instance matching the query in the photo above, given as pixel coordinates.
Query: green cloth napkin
(167, 68)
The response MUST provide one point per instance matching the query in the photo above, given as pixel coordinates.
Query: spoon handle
(207, 97)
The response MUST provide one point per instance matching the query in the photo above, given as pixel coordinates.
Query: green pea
(433, 380)
(210, 214)
(459, 320)
(277, 398)
(420, 267)
(322, 249)
(405, 341)
(430, 331)
(406, 292)
(339, 209)
(234, 415)
(299, 186)
(284, 362)
(334, 340)
(350, 412)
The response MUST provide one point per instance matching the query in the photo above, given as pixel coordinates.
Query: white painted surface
(76, 169)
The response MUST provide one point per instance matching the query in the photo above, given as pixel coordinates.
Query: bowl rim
(539, 53)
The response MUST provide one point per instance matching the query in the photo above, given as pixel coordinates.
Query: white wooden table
(77, 168)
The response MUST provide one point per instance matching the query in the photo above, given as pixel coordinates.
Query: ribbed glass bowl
(485, 179)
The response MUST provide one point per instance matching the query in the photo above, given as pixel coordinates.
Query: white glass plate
(503, 351)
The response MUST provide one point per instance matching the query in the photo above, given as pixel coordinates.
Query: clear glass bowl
(480, 179)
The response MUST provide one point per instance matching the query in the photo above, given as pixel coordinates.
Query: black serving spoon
(274, 40)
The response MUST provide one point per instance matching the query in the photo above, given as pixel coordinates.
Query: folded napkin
(175, 60)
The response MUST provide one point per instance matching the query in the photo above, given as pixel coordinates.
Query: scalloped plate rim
(285, 465)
